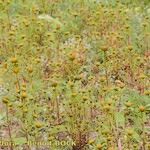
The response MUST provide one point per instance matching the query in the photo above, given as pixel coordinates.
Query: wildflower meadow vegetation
(74, 75)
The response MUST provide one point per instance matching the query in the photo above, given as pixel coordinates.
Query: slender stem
(58, 114)
(57, 107)
(9, 129)
(26, 135)
(106, 72)
(8, 18)
(43, 5)
(143, 134)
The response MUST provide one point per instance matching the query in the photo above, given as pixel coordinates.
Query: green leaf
(2, 116)
(136, 137)
(120, 119)
(50, 19)
(20, 141)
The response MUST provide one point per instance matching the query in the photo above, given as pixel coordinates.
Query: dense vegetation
(75, 71)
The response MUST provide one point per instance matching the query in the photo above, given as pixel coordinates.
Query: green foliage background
(75, 70)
